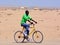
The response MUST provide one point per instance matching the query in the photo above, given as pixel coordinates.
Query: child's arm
(33, 21)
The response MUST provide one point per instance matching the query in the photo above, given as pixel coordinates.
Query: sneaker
(28, 39)
(23, 40)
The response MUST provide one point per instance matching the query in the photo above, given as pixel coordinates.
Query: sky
(31, 3)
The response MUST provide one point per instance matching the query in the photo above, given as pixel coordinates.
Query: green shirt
(25, 18)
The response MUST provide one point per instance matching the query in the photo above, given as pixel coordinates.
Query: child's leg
(26, 32)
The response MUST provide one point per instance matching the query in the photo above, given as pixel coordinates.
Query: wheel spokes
(18, 37)
(37, 36)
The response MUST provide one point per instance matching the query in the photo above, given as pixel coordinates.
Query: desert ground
(48, 23)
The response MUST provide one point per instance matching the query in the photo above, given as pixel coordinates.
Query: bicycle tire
(40, 40)
(15, 37)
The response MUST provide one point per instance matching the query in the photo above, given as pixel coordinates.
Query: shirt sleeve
(30, 18)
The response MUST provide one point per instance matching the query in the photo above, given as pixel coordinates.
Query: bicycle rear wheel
(37, 37)
(18, 36)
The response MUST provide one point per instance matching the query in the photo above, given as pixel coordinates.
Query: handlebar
(33, 23)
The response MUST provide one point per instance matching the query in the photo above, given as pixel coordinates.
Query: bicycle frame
(33, 29)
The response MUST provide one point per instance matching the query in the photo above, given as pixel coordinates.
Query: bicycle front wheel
(18, 36)
(37, 37)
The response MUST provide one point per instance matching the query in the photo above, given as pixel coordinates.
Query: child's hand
(31, 22)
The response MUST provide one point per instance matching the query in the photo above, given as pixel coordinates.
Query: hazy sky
(29, 3)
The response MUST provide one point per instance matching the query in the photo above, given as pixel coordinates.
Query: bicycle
(37, 36)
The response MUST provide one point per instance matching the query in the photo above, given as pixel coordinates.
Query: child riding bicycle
(26, 18)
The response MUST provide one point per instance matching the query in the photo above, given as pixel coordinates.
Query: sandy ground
(48, 24)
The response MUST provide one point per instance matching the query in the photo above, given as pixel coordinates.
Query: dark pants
(26, 26)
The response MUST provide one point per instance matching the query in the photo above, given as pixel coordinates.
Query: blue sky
(31, 3)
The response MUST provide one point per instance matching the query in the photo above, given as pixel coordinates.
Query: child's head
(27, 12)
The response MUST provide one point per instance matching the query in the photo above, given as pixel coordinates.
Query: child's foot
(28, 39)
(23, 40)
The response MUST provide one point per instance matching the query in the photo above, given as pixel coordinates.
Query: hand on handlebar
(31, 22)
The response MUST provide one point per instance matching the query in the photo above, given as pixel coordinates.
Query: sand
(48, 23)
